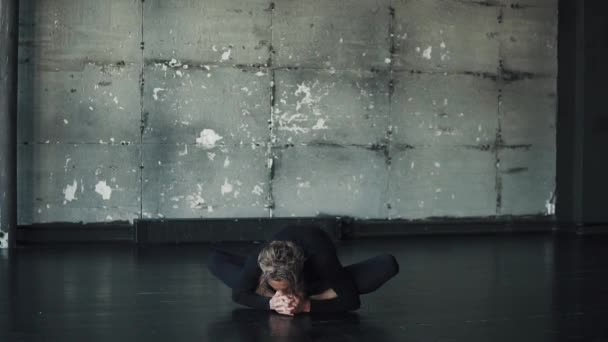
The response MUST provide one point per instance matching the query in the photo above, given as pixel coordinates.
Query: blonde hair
(282, 260)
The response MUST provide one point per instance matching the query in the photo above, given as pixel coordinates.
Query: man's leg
(370, 274)
(225, 266)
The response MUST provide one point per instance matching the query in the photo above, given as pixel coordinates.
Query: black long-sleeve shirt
(322, 270)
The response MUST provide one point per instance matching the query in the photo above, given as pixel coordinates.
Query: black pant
(367, 275)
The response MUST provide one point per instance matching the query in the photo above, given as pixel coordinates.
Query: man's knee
(392, 265)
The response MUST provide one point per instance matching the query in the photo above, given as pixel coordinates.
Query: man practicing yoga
(298, 271)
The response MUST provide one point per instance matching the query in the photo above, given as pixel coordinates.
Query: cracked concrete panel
(528, 180)
(435, 109)
(343, 107)
(181, 181)
(528, 112)
(65, 33)
(89, 105)
(210, 31)
(330, 180)
(190, 104)
(78, 183)
(529, 40)
(437, 35)
(442, 181)
(332, 34)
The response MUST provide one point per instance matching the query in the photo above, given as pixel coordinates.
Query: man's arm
(342, 294)
(325, 295)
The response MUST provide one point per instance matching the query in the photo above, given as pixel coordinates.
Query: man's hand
(284, 304)
(303, 306)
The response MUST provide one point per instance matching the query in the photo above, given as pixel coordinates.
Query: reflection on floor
(473, 288)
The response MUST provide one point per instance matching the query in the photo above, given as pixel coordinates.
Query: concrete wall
(374, 109)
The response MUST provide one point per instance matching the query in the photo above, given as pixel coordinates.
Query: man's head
(281, 263)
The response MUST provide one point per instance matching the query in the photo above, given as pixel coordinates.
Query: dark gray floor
(474, 288)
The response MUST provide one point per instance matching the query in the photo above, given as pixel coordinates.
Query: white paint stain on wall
(208, 138)
(226, 187)
(309, 95)
(184, 152)
(427, 52)
(155, 92)
(174, 63)
(67, 162)
(103, 189)
(320, 125)
(257, 190)
(289, 122)
(226, 55)
(69, 192)
(226, 162)
(307, 99)
(304, 185)
(196, 199)
(246, 91)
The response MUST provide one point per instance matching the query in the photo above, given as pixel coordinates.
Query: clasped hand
(286, 304)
